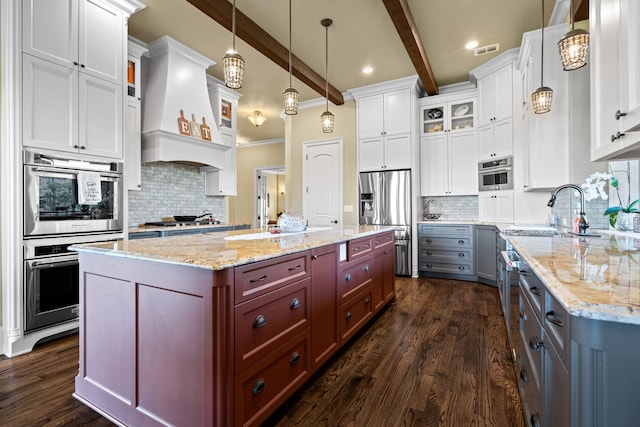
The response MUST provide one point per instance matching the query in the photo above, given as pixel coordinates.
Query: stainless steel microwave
(495, 174)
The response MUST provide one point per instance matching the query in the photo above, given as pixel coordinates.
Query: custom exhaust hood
(178, 81)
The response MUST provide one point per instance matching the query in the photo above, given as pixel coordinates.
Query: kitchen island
(579, 332)
(220, 329)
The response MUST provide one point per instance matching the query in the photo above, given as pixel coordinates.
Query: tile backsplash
(455, 208)
(169, 189)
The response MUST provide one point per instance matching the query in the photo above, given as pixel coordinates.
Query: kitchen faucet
(582, 223)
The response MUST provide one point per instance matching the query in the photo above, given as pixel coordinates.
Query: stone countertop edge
(212, 252)
(586, 297)
(142, 228)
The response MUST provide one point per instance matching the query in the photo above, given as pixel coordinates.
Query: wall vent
(486, 49)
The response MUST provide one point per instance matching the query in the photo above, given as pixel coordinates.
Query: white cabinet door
(50, 30)
(371, 153)
(463, 165)
(397, 112)
(504, 206)
(100, 117)
(223, 182)
(101, 40)
(434, 166)
(503, 137)
(132, 146)
(397, 151)
(486, 92)
(485, 142)
(503, 96)
(49, 105)
(370, 116)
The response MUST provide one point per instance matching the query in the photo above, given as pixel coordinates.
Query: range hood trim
(163, 146)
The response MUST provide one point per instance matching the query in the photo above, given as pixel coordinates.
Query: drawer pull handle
(536, 344)
(295, 358)
(524, 273)
(461, 254)
(258, 280)
(295, 303)
(551, 317)
(534, 290)
(356, 248)
(461, 267)
(523, 315)
(429, 265)
(535, 420)
(524, 376)
(347, 277)
(366, 301)
(620, 114)
(461, 242)
(297, 267)
(314, 257)
(429, 240)
(366, 267)
(348, 316)
(260, 321)
(259, 386)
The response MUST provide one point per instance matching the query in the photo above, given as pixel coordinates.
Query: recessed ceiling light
(471, 45)
(367, 70)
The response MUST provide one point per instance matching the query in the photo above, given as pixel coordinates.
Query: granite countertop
(220, 250)
(593, 277)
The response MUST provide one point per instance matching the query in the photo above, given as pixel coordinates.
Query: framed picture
(225, 113)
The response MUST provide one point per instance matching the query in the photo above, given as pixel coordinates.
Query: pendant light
(327, 119)
(574, 46)
(542, 97)
(290, 96)
(232, 62)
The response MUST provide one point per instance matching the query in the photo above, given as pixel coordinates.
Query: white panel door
(101, 116)
(50, 30)
(463, 164)
(397, 151)
(371, 153)
(322, 182)
(101, 40)
(434, 166)
(397, 112)
(370, 116)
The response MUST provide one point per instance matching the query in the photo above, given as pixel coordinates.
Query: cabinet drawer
(355, 314)
(259, 278)
(352, 278)
(533, 289)
(383, 240)
(264, 323)
(446, 242)
(532, 336)
(442, 230)
(433, 255)
(465, 268)
(556, 325)
(358, 247)
(531, 395)
(268, 383)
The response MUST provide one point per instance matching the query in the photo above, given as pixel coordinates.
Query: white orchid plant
(594, 188)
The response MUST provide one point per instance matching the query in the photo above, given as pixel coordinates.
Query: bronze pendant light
(290, 96)
(574, 46)
(542, 97)
(327, 119)
(232, 62)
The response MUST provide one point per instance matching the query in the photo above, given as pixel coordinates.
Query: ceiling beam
(581, 10)
(221, 11)
(405, 26)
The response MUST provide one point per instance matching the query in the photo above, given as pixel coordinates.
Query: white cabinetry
(73, 68)
(133, 119)
(224, 102)
(495, 107)
(496, 206)
(385, 121)
(454, 116)
(448, 165)
(615, 79)
(553, 143)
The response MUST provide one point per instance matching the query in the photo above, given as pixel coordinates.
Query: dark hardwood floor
(438, 357)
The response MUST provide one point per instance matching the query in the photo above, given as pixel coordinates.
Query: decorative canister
(636, 224)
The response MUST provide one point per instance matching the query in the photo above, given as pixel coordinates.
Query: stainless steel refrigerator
(385, 199)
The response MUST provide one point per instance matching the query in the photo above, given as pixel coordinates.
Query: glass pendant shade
(290, 98)
(257, 118)
(327, 119)
(574, 48)
(233, 65)
(541, 100)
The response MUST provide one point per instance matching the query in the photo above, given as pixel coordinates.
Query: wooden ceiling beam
(405, 26)
(581, 10)
(221, 11)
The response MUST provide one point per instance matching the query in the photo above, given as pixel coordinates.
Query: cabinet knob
(347, 277)
(295, 358)
(314, 257)
(367, 301)
(536, 344)
(76, 146)
(295, 304)
(461, 242)
(75, 63)
(366, 267)
(620, 114)
(259, 386)
(348, 316)
(461, 254)
(523, 375)
(259, 321)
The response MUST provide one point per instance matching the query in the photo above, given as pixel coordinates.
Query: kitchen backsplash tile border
(169, 189)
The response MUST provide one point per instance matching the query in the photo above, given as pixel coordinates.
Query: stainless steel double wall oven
(55, 217)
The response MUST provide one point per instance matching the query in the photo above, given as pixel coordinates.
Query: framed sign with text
(225, 113)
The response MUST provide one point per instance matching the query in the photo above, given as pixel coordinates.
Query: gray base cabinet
(574, 371)
(446, 250)
(486, 261)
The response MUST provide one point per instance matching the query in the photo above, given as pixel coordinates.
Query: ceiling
(362, 34)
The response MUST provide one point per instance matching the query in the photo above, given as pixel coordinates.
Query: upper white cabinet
(452, 116)
(495, 106)
(615, 79)
(554, 150)
(84, 34)
(133, 118)
(385, 121)
(73, 74)
(496, 206)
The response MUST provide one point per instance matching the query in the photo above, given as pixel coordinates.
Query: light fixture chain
(542, 49)
(290, 84)
(326, 62)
